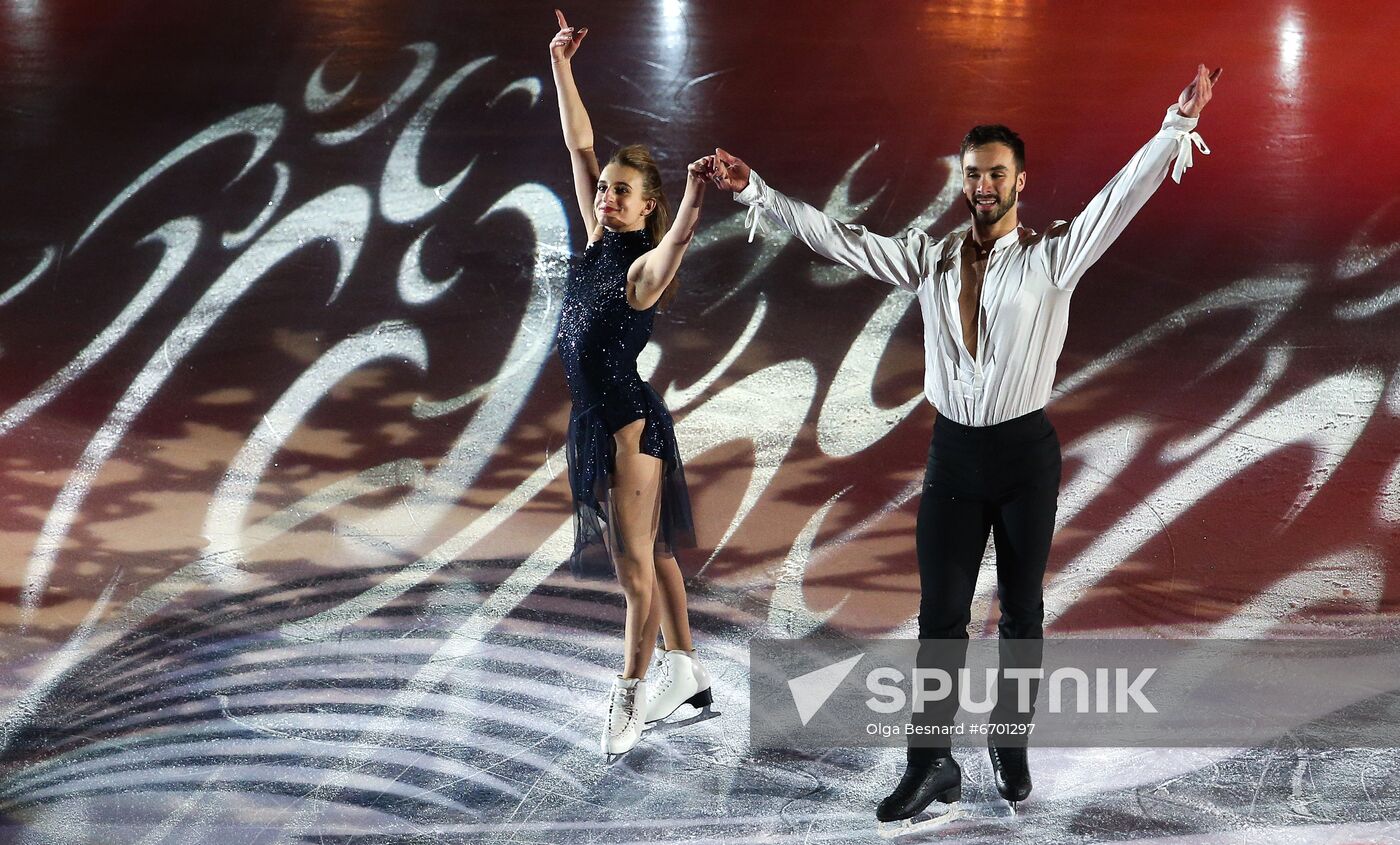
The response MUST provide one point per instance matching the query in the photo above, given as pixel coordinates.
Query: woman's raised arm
(578, 131)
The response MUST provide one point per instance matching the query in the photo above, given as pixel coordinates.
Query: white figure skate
(624, 725)
(679, 679)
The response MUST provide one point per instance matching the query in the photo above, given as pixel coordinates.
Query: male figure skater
(995, 302)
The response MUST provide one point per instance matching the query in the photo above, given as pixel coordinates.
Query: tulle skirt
(591, 451)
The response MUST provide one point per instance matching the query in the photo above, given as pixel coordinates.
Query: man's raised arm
(1071, 248)
(899, 261)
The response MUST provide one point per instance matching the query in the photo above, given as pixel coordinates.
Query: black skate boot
(925, 782)
(1012, 773)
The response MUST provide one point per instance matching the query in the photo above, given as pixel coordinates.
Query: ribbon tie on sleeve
(1183, 152)
(753, 218)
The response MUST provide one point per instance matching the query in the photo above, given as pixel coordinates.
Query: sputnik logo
(810, 691)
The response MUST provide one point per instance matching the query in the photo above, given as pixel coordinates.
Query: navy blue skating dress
(599, 338)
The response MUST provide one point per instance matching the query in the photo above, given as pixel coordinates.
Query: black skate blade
(936, 816)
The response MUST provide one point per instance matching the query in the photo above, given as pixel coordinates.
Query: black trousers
(1001, 480)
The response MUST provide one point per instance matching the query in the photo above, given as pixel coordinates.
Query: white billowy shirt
(1025, 293)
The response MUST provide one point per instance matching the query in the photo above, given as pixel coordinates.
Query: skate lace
(624, 705)
(1000, 757)
(662, 680)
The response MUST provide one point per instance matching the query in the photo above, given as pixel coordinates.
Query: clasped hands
(723, 170)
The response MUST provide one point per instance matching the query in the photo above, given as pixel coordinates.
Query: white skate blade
(934, 817)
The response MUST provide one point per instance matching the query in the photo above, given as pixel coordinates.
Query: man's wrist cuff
(752, 191)
(1176, 120)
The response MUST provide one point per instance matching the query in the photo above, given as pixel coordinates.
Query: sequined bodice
(599, 338)
(600, 335)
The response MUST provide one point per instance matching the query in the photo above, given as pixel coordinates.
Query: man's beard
(991, 216)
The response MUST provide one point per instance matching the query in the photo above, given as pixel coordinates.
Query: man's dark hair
(995, 133)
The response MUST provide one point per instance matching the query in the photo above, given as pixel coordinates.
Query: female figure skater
(624, 466)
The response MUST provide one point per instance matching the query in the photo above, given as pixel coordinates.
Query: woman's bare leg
(669, 599)
(668, 611)
(652, 626)
(636, 506)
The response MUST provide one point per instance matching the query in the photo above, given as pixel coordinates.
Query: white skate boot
(624, 723)
(680, 679)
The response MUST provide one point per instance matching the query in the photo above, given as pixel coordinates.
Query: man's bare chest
(973, 271)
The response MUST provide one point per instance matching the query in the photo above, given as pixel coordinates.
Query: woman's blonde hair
(639, 159)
